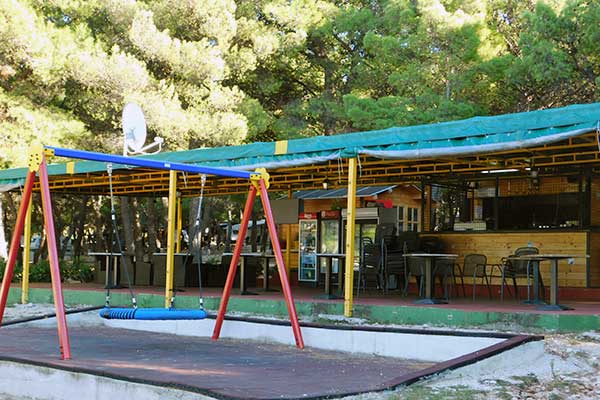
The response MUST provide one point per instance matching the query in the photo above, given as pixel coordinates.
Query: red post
(234, 261)
(16, 242)
(285, 285)
(63, 333)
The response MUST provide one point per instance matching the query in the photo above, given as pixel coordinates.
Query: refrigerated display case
(307, 237)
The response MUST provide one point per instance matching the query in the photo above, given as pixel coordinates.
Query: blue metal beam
(146, 163)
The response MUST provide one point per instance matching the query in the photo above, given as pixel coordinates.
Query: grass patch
(422, 392)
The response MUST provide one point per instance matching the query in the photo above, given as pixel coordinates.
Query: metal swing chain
(113, 217)
(194, 235)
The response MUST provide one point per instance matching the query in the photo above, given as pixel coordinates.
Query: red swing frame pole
(59, 305)
(285, 285)
(237, 251)
(16, 241)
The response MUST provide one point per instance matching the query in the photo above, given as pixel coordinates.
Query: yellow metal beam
(288, 241)
(179, 223)
(171, 237)
(26, 255)
(351, 212)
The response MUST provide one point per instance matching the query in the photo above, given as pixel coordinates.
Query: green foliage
(17, 274)
(40, 271)
(226, 72)
(77, 271)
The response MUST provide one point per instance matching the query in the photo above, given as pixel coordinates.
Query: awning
(473, 136)
(365, 191)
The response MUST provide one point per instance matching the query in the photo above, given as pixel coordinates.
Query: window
(408, 219)
(401, 220)
(412, 219)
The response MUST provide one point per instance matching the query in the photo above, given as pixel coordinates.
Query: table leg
(266, 276)
(243, 290)
(107, 278)
(341, 267)
(328, 277)
(328, 273)
(429, 284)
(536, 285)
(111, 276)
(554, 306)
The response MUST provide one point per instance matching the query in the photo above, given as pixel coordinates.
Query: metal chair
(369, 265)
(415, 267)
(475, 266)
(514, 268)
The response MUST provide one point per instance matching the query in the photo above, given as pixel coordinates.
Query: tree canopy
(227, 72)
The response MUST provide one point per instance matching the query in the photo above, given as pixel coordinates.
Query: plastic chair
(514, 269)
(475, 266)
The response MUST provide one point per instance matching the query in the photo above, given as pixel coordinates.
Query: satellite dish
(134, 128)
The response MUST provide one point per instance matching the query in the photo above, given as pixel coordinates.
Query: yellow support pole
(288, 241)
(171, 237)
(350, 217)
(26, 255)
(179, 222)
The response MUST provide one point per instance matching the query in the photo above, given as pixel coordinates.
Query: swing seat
(150, 314)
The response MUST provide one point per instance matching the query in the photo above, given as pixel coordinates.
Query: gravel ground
(562, 367)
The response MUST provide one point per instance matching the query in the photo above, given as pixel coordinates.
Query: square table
(265, 262)
(553, 258)
(110, 263)
(328, 272)
(429, 259)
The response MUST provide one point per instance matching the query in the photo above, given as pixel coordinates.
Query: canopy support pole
(171, 238)
(26, 254)
(179, 225)
(350, 228)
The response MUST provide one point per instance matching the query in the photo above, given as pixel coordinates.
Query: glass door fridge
(307, 237)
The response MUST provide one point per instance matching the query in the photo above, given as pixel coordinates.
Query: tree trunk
(153, 221)
(79, 229)
(194, 231)
(101, 233)
(253, 233)
(127, 217)
(138, 234)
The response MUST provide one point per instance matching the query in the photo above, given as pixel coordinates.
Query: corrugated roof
(365, 191)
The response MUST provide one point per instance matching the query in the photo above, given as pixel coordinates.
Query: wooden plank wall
(595, 203)
(498, 245)
(595, 259)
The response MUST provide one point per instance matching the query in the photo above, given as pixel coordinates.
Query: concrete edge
(562, 322)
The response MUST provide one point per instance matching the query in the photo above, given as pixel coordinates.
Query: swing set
(259, 183)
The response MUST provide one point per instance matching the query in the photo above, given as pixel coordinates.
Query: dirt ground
(564, 366)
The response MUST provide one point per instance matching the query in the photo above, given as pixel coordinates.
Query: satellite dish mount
(134, 132)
